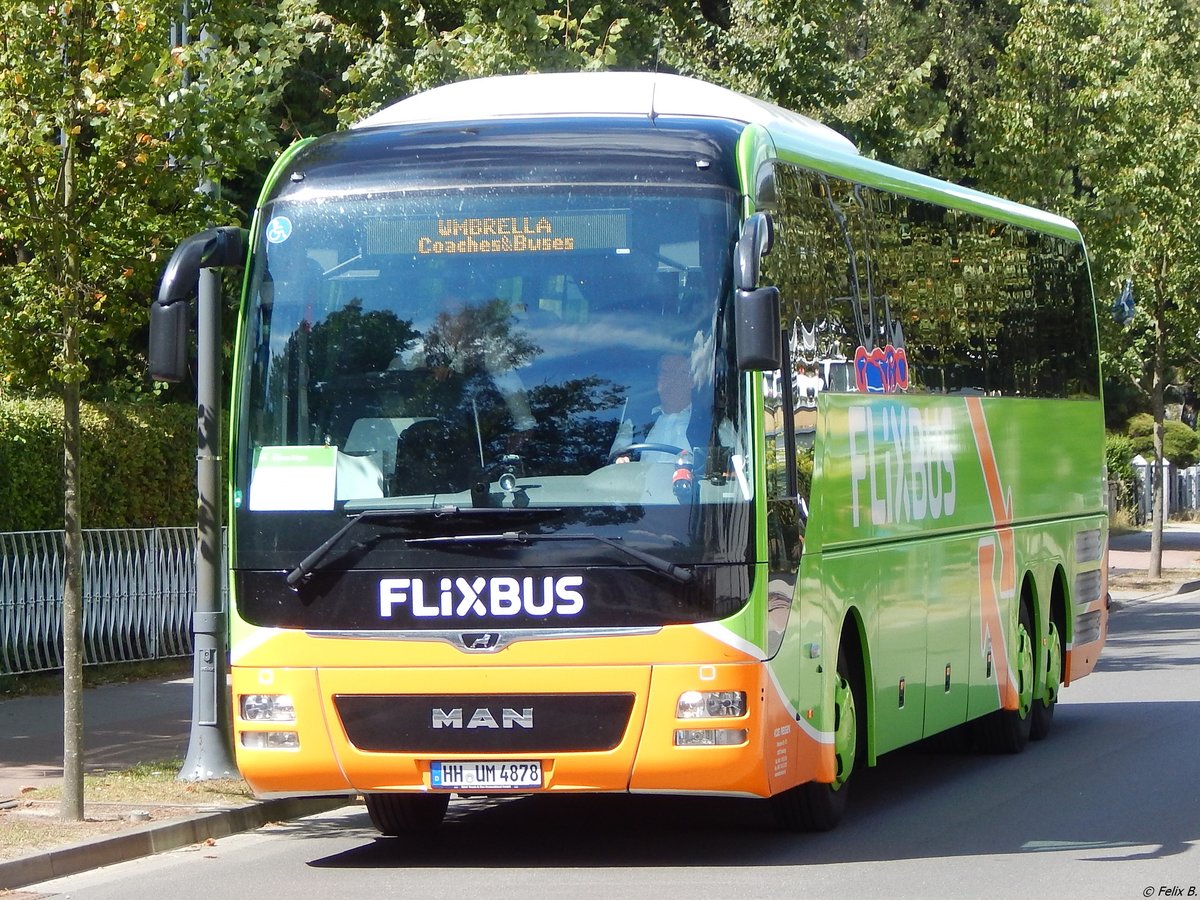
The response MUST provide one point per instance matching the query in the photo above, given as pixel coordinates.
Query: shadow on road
(911, 806)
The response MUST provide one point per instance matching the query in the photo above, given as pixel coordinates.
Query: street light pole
(209, 751)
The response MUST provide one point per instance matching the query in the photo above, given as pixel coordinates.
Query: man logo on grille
(480, 640)
(482, 717)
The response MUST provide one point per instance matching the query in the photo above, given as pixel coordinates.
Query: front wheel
(405, 814)
(815, 806)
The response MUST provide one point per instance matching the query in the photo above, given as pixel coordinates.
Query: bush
(1181, 445)
(1118, 459)
(139, 465)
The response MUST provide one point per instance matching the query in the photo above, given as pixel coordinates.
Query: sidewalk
(124, 725)
(149, 721)
(1129, 555)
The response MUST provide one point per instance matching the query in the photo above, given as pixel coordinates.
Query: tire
(1043, 707)
(814, 806)
(1008, 730)
(406, 814)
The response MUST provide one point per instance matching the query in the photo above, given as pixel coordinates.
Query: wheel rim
(1024, 671)
(1054, 665)
(845, 732)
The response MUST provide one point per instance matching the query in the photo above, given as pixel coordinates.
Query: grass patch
(1123, 521)
(113, 802)
(153, 783)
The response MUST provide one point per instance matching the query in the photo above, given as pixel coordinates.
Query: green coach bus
(619, 432)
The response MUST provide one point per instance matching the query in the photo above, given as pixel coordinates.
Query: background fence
(139, 586)
(1181, 489)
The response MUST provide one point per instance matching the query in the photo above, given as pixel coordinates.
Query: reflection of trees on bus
(569, 437)
(965, 304)
(478, 337)
(465, 370)
(350, 341)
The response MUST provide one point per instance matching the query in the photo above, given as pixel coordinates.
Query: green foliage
(1181, 445)
(140, 469)
(913, 77)
(404, 46)
(785, 53)
(1140, 430)
(1122, 399)
(105, 135)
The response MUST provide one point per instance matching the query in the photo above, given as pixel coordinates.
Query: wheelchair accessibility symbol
(279, 229)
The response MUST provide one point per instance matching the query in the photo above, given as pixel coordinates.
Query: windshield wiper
(658, 564)
(307, 566)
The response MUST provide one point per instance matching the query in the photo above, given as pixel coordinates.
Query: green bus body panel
(922, 567)
(891, 467)
(900, 507)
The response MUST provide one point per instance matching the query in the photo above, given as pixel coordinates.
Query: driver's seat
(431, 458)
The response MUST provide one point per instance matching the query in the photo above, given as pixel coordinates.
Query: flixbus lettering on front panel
(459, 598)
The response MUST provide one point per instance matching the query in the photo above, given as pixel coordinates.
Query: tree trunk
(71, 805)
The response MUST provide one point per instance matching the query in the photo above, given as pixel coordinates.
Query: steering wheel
(641, 448)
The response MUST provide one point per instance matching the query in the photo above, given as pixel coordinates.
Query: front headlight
(267, 708)
(710, 705)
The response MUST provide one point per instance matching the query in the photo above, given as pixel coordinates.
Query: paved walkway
(124, 725)
(1181, 549)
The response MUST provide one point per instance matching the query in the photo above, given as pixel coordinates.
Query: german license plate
(492, 775)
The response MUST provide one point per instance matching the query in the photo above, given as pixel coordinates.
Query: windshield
(506, 347)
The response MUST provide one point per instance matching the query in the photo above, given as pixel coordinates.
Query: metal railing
(1181, 489)
(138, 591)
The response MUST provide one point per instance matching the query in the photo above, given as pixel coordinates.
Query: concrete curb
(157, 838)
(1120, 600)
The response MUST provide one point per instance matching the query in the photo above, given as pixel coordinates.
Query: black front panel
(530, 151)
(485, 723)
(491, 599)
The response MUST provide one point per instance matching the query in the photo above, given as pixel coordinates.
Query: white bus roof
(648, 94)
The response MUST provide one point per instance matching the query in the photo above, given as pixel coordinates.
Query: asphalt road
(1108, 806)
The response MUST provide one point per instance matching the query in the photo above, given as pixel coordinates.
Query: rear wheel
(815, 806)
(1043, 707)
(400, 814)
(1008, 730)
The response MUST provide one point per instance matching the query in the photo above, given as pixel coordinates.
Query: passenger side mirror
(756, 330)
(169, 330)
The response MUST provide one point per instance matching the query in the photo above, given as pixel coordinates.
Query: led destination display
(521, 233)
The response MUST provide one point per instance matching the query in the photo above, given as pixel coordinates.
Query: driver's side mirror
(756, 309)
(170, 313)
